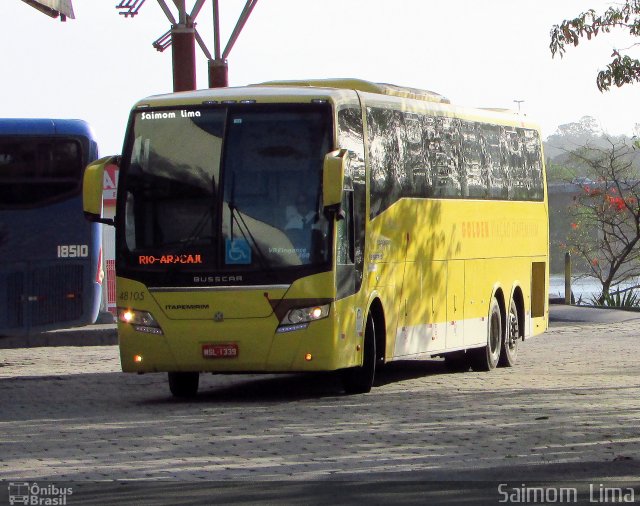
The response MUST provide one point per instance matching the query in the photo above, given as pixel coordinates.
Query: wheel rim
(514, 332)
(494, 336)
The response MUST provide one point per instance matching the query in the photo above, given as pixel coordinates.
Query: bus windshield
(226, 189)
(34, 170)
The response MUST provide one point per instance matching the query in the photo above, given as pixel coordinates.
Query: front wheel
(184, 384)
(359, 380)
(487, 357)
(509, 353)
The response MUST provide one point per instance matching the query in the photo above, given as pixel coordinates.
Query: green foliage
(622, 69)
(557, 173)
(625, 299)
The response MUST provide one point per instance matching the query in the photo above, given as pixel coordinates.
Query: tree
(605, 227)
(570, 136)
(622, 69)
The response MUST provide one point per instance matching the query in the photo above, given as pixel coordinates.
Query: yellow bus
(331, 225)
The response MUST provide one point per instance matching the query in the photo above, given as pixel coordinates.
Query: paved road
(569, 409)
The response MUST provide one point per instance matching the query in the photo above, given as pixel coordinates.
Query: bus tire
(509, 353)
(359, 380)
(487, 357)
(184, 384)
(457, 361)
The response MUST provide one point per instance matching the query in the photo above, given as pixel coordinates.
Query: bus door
(412, 336)
(404, 338)
(455, 304)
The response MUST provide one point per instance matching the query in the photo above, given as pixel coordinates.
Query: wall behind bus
(110, 185)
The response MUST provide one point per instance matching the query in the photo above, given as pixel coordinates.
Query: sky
(484, 53)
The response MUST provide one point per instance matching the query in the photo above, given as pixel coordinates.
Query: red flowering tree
(605, 215)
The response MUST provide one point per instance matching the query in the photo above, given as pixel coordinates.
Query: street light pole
(518, 102)
(53, 8)
(218, 66)
(183, 50)
(183, 36)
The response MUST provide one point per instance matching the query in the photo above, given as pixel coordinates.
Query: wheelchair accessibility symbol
(238, 252)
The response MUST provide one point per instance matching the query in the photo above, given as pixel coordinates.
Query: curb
(92, 335)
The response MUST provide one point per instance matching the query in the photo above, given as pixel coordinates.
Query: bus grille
(58, 290)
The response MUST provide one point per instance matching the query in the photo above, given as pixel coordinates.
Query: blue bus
(50, 256)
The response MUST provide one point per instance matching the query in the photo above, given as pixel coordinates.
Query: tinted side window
(384, 156)
(418, 155)
(351, 137)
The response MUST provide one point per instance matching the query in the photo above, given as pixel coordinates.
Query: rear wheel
(359, 380)
(509, 353)
(487, 357)
(184, 384)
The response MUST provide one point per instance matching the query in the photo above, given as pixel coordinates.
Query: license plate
(219, 350)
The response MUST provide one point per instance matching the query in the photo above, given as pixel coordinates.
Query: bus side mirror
(92, 187)
(333, 179)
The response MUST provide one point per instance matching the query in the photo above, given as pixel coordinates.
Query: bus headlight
(305, 315)
(142, 321)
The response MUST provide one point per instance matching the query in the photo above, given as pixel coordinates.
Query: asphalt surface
(566, 415)
(560, 315)
(106, 334)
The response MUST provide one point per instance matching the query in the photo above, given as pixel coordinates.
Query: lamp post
(518, 102)
(218, 67)
(183, 36)
(53, 8)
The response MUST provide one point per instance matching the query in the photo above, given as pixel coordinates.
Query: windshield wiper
(191, 238)
(194, 235)
(236, 216)
(196, 231)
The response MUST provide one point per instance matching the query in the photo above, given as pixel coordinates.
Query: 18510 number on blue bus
(73, 251)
